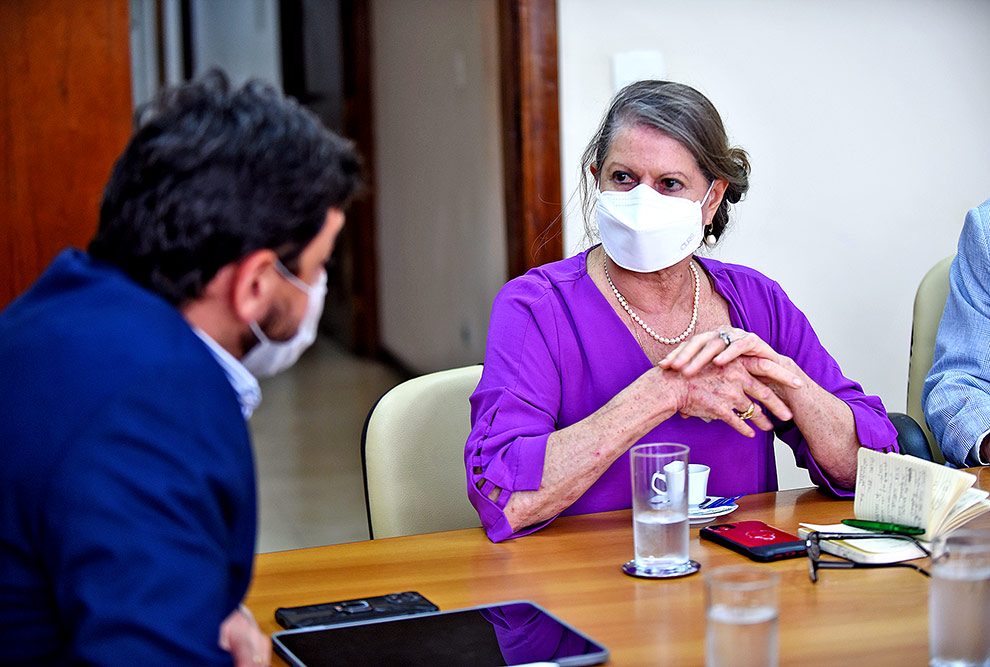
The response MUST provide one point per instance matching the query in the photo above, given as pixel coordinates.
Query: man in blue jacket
(956, 396)
(127, 491)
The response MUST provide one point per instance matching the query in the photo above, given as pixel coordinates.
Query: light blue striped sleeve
(956, 395)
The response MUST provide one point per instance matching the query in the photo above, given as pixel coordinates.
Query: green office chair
(412, 451)
(929, 302)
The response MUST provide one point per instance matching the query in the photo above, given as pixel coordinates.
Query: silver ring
(749, 412)
(726, 338)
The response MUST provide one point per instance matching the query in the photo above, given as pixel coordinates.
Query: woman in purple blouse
(638, 340)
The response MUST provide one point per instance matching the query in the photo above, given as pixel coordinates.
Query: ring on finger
(726, 338)
(750, 411)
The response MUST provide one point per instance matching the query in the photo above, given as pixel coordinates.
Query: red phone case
(755, 539)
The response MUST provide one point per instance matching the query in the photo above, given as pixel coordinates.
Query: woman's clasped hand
(739, 368)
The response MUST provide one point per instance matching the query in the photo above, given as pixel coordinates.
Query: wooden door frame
(359, 126)
(527, 33)
(530, 133)
(354, 278)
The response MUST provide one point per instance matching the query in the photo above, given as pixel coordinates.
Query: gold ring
(749, 412)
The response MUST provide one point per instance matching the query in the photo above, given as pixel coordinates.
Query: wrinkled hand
(724, 344)
(724, 391)
(243, 639)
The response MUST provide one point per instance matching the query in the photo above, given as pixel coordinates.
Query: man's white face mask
(270, 357)
(645, 231)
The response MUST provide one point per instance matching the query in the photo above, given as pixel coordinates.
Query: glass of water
(741, 606)
(959, 600)
(660, 511)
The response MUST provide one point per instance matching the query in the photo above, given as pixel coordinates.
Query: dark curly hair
(683, 113)
(212, 174)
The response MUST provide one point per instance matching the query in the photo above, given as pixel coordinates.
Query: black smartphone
(755, 539)
(348, 611)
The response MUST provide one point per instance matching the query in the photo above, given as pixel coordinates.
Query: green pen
(884, 527)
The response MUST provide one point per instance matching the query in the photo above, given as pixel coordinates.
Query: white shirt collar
(243, 383)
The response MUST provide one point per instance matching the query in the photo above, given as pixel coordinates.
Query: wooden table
(572, 568)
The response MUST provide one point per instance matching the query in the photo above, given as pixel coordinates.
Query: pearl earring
(710, 240)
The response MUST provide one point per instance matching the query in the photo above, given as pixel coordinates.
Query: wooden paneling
(531, 132)
(65, 114)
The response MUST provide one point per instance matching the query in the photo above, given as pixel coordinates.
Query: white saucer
(697, 516)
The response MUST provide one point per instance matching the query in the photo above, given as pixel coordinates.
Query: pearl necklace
(636, 318)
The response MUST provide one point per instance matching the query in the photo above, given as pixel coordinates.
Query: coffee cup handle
(659, 476)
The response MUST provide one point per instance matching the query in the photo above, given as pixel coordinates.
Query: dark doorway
(325, 50)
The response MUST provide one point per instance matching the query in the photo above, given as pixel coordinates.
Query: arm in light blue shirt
(956, 395)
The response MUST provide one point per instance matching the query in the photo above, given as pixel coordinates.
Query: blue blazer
(127, 493)
(956, 395)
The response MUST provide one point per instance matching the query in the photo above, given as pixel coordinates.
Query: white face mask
(269, 357)
(645, 231)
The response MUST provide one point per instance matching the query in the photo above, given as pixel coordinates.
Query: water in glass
(741, 636)
(661, 538)
(958, 609)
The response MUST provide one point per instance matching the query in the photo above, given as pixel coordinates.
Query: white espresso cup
(697, 481)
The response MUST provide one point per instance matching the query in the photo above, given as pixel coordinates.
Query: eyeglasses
(813, 547)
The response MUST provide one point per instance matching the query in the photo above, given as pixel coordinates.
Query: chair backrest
(929, 303)
(412, 450)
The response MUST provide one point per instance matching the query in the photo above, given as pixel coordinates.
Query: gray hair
(682, 113)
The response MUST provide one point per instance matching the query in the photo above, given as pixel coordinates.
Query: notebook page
(892, 490)
(972, 504)
(949, 485)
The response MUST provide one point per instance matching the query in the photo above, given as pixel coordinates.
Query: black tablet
(509, 633)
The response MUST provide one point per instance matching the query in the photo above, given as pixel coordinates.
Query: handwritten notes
(896, 488)
(892, 489)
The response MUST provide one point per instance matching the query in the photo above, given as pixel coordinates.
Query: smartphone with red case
(755, 539)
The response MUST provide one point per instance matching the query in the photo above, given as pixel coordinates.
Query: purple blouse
(557, 352)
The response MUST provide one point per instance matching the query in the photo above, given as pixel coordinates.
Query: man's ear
(253, 284)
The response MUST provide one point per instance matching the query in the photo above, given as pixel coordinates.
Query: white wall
(144, 61)
(241, 36)
(438, 193)
(868, 128)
